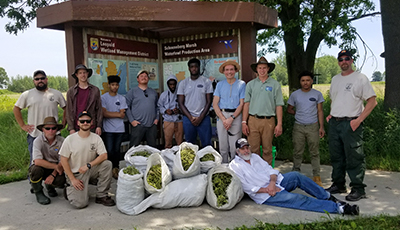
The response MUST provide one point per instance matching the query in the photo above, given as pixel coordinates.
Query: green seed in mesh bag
(143, 153)
(208, 157)
(187, 158)
(221, 181)
(131, 170)
(154, 176)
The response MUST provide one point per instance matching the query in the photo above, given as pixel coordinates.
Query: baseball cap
(344, 53)
(84, 113)
(241, 142)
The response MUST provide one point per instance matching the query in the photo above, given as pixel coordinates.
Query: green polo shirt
(263, 97)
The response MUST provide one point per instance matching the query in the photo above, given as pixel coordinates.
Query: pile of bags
(178, 177)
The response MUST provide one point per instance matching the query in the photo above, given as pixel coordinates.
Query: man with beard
(195, 98)
(348, 91)
(46, 165)
(168, 105)
(266, 185)
(41, 102)
(84, 158)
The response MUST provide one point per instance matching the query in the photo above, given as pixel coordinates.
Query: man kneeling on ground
(266, 185)
(45, 161)
(84, 158)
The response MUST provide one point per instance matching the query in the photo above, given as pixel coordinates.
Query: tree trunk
(391, 36)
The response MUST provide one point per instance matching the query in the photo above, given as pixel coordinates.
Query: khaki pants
(101, 172)
(261, 133)
(301, 134)
(226, 140)
(171, 128)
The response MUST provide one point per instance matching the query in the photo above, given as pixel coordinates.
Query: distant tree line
(19, 83)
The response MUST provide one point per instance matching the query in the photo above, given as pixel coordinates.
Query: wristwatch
(233, 116)
(89, 165)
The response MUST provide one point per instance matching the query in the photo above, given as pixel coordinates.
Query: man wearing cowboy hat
(84, 97)
(263, 102)
(45, 161)
(228, 104)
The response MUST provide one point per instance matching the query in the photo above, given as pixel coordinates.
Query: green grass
(384, 222)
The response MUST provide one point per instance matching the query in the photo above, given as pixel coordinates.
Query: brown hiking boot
(115, 172)
(317, 180)
(106, 201)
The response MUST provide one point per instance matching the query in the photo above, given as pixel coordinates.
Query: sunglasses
(344, 59)
(52, 128)
(145, 93)
(83, 121)
(39, 78)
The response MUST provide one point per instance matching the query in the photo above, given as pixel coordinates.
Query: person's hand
(272, 189)
(245, 129)
(227, 123)
(155, 121)
(176, 111)
(121, 114)
(135, 123)
(195, 121)
(28, 128)
(71, 131)
(49, 180)
(278, 130)
(321, 132)
(59, 169)
(83, 169)
(328, 118)
(98, 131)
(354, 124)
(78, 184)
(169, 112)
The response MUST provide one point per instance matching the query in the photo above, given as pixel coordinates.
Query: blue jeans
(286, 199)
(204, 131)
(112, 141)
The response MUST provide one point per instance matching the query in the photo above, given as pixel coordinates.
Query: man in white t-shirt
(41, 102)
(84, 158)
(195, 98)
(348, 91)
(306, 106)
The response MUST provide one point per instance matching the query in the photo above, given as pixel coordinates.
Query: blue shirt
(230, 95)
(113, 104)
(306, 104)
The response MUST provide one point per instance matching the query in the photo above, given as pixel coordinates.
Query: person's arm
(290, 110)
(321, 120)
(100, 158)
(99, 111)
(271, 189)
(371, 103)
(119, 114)
(45, 164)
(70, 117)
(278, 127)
(78, 184)
(64, 118)
(18, 117)
(181, 103)
(216, 108)
(205, 110)
(245, 116)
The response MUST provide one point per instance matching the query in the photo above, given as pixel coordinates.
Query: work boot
(40, 197)
(355, 196)
(51, 190)
(335, 189)
(317, 180)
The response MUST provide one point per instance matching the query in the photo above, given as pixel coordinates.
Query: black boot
(40, 197)
(51, 190)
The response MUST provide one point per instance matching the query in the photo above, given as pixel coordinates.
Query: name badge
(200, 86)
(312, 99)
(268, 88)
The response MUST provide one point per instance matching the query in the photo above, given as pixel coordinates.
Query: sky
(44, 49)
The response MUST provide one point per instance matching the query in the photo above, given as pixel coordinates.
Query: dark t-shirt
(81, 103)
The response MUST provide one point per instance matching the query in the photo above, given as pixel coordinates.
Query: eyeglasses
(52, 128)
(39, 78)
(145, 93)
(83, 121)
(344, 59)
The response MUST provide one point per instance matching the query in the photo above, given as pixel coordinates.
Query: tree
(19, 84)
(280, 72)
(377, 76)
(326, 67)
(3, 78)
(21, 13)
(391, 37)
(304, 24)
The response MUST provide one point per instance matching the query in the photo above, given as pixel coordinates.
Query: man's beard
(245, 157)
(41, 88)
(84, 128)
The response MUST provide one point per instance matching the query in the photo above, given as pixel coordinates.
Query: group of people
(254, 109)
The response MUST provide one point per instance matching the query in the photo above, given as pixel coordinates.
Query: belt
(344, 118)
(261, 117)
(228, 110)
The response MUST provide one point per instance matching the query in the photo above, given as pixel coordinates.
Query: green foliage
(143, 153)
(221, 181)
(280, 73)
(207, 157)
(327, 67)
(3, 78)
(154, 176)
(187, 158)
(20, 84)
(377, 76)
(131, 170)
(6, 103)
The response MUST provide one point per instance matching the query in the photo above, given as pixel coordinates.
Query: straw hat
(229, 62)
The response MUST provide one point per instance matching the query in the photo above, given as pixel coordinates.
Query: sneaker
(336, 200)
(335, 189)
(349, 209)
(115, 172)
(355, 196)
(106, 201)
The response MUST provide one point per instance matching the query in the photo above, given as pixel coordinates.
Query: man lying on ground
(266, 185)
